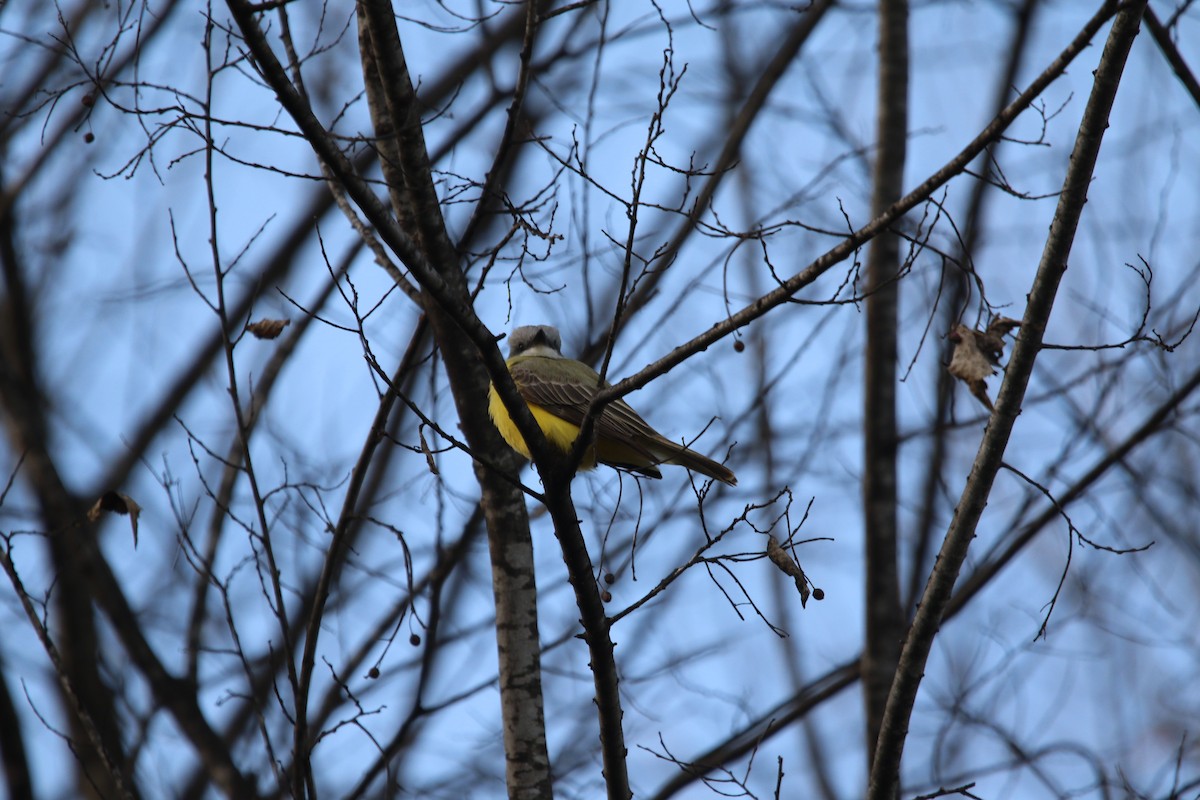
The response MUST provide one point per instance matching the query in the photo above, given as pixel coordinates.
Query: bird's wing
(566, 390)
(569, 399)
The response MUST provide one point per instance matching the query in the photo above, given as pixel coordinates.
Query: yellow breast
(558, 432)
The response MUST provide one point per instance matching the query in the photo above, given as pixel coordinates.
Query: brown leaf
(429, 460)
(117, 503)
(978, 353)
(268, 328)
(1002, 325)
(782, 559)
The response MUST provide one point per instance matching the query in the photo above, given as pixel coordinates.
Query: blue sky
(119, 318)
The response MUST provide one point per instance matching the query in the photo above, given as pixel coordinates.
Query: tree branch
(784, 292)
(885, 770)
(884, 624)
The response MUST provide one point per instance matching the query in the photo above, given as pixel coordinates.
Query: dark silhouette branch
(884, 624)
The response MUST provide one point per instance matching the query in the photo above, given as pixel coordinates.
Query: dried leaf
(782, 559)
(117, 503)
(429, 460)
(1002, 325)
(977, 354)
(268, 328)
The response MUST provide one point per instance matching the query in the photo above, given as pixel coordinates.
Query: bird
(559, 390)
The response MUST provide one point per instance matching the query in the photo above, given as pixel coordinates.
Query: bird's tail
(672, 453)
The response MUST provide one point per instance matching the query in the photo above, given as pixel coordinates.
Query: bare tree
(261, 538)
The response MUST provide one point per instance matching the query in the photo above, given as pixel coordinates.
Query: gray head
(535, 340)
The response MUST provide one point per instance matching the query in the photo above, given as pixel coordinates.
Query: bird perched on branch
(559, 390)
(977, 354)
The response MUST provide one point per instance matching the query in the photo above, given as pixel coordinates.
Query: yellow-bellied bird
(559, 389)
